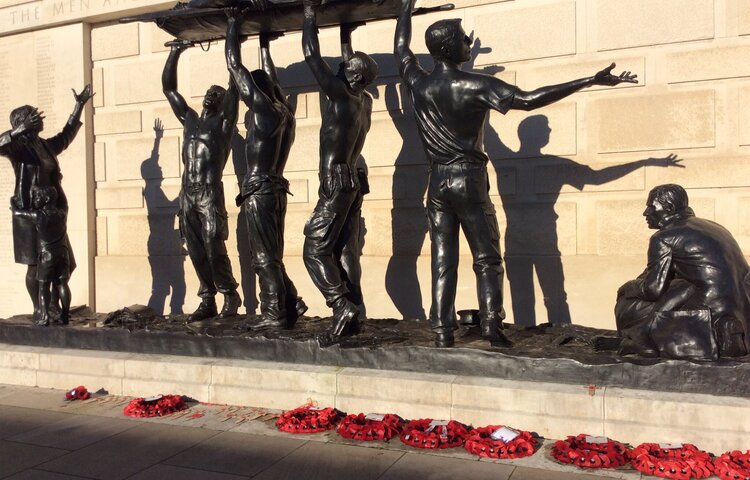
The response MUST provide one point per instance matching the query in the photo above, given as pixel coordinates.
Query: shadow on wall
(531, 238)
(166, 257)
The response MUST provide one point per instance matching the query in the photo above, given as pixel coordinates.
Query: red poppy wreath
(308, 419)
(428, 433)
(586, 451)
(370, 427)
(498, 441)
(157, 406)
(678, 461)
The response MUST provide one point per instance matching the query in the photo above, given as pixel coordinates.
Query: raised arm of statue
(546, 95)
(401, 45)
(266, 62)
(329, 83)
(230, 109)
(345, 34)
(169, 82)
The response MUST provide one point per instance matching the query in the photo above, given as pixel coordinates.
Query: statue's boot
(344, 314)
(491, 324)
(232, 302)
(206, 309)
(444, 339)
(300, 307)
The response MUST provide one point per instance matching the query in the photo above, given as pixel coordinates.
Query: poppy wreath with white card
(308, 419)
(499, 441)
(373, 426)
(587, 451)
(680, 461)
(733, 465)
(429, 433)
(156, 406)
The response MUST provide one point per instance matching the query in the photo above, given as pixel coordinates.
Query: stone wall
(566, 179)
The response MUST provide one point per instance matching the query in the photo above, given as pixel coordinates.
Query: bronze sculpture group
(692, 300)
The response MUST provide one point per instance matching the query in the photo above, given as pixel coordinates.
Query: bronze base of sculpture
(546, 353)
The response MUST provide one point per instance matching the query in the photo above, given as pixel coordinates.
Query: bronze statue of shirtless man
(346, 121)
(203, 215)
(270, 127)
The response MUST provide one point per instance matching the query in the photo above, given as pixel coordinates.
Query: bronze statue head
(447, 40)
(18, 115)
(214, 98)
(663, 202)
(359, 71)
(41, 196)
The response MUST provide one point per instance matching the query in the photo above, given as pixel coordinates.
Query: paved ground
(42, 437)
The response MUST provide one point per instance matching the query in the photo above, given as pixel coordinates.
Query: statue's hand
(84, 96)
(32, 123)
(605, 77)
(629, 289)
(311, 4)
(178, 45)
(234, 13)
(267, 37)
(348, 28)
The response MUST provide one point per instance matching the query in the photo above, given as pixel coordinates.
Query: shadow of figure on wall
(531, 235)
(408, 219)
(248, 280)
(166, 256)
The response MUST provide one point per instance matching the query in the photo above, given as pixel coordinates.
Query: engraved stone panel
(130, 155)
(101, 236)
(137, 82)
(743, 17)
(704, 173)
(97, 84)
(299, 188)
(117, 122)
(569, 69)
(744, 113)
(100, 165)
(622, 229)
(655, 122)
(540, 228)
(119, 197)
(522, 134)
(506, 31)
(632, 23)
(114, 41)
(708, 64)
(554, 175)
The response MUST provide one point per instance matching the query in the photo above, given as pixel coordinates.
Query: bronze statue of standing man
(270, 127)
(346, 121)
(451, 107)
(203, 215)
(35, 165)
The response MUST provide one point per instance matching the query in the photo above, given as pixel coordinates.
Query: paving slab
(42, 475)
(129, 452)
(17, 457)
(17, 420)
(162, 472)
(236, 453)
(524, 473)
(326, 461)
(412, 465)
(74, 432)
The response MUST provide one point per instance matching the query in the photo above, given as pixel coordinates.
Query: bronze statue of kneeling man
(693, 299)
